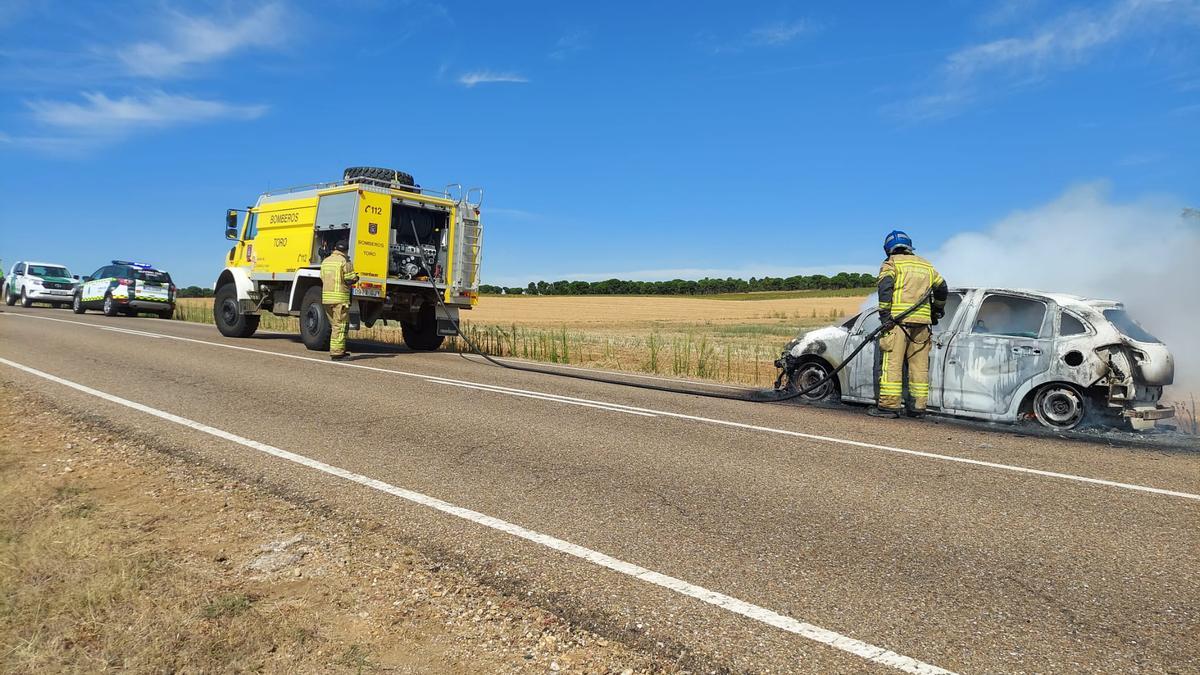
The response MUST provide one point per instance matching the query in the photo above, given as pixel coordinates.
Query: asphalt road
(738, 535)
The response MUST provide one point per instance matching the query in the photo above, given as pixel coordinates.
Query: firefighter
(337, 276)
(906, 280)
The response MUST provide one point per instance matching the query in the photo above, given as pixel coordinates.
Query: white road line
(544, 398)
(807, 630)
(695, 418)
(130, 332)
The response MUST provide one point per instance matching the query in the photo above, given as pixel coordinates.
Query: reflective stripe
(333, 284)
(912, 268)
(887, 304)
(888, 387)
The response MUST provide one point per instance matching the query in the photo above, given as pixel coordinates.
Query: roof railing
(360, 180)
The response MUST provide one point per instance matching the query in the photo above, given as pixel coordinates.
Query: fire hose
(758, 395)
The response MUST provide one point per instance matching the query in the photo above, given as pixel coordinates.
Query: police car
(127, 288)
(32, 282)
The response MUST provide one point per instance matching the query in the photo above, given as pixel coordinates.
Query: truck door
(241, 252)
(1003, 343)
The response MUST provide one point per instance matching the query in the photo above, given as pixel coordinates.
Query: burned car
(1007, 355)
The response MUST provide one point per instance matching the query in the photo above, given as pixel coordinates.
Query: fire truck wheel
(421, 335)
(314, 324)
(228, 315)
(377, 173)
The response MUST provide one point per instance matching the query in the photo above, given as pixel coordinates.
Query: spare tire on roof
(396, 178)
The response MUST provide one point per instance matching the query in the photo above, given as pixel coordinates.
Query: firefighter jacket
(904, 281)
(336, 278)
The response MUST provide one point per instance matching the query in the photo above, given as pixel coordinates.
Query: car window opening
(153, 276)
(1069, 324)
(953, 302)
(43, 271)
(1010, 316)
(1128, 327)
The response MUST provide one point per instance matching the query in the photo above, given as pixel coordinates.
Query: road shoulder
(116, 554)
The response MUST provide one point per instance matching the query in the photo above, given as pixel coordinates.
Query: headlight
(35, 281)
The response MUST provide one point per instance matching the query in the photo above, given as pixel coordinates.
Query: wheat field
(732, 339)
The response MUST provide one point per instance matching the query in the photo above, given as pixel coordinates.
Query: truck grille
(57, 286)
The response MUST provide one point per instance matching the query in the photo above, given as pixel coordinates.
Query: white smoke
(1142, 252)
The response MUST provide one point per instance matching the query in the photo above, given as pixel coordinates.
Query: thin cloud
(78, 127)
(570, 44)
(780, 32)
(1062, 43)
(774, 34)
(194, 40)
(98, 112)
(490, 77)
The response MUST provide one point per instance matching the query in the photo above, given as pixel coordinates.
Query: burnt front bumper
(1146, 417)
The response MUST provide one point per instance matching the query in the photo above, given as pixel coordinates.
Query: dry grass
(87, 591)
(1185, 416)
(644, 312)
(734, 340)
(116, 558)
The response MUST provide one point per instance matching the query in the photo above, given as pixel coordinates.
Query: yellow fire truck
(409, 245)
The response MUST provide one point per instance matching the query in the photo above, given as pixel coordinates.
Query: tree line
(194, 292)
(705, 286)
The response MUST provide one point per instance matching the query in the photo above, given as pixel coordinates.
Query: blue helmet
(896, 238)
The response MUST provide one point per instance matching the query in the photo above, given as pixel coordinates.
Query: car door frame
(10, 282)
(965, 342)
(940, 343)
(97, 277)
(865, 361)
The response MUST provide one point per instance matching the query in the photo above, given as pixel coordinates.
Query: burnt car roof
(1063, 299)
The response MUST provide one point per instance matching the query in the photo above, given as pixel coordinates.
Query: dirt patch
(116, 557)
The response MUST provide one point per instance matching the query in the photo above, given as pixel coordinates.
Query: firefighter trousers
(339, 323)
(904, 348)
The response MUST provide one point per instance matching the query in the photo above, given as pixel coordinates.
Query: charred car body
(1005, 355)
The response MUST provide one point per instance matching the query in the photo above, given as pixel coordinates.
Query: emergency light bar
(145, 266)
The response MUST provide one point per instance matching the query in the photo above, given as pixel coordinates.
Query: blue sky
(639, 140)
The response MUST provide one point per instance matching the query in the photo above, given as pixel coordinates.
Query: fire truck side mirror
(231, 230)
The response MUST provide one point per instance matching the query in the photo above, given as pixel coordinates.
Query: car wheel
(314, 324)
(110, 306)
(809, 374)
(227, 314)
(77, 305)
(25, 301)
(1060, 407)
(9, 298)
(166, 314)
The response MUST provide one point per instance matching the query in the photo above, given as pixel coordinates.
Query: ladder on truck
(471, 240)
